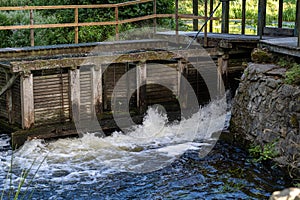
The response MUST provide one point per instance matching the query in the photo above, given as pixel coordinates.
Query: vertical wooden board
(3, 110)
(75, 94)
(27, 101)
(16, 98)
(97, 89)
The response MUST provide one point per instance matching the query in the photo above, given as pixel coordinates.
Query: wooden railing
(76, 24)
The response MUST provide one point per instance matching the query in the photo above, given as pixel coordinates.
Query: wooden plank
(123, 58)
(27, 101)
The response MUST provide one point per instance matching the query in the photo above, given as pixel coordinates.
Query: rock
(261, 56)
(277, 72)
(286, 194)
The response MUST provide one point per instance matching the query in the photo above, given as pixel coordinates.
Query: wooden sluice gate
(45, 89)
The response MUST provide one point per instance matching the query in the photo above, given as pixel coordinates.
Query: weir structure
(39, 85)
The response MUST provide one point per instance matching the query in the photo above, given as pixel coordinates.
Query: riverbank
(266, 116)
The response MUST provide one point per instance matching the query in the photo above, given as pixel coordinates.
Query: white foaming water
(148, 147)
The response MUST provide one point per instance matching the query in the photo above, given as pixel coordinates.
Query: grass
(262, 153)
(16, 194)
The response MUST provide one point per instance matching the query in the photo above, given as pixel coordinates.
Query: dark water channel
(226, 172)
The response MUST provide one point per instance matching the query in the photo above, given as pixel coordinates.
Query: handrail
(11, 8)
(76, 24)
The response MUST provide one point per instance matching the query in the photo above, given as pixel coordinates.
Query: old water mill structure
(39, 86)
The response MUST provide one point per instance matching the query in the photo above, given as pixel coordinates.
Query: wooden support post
(75, 94)
(261, 22)
(96, 90)
(154, 19)
(27, 101)
(298, 22)
(211, 9)
(76, 27)
(205, 44)
(243, 17)
(141, 86)
(117, 22)
(31, 30)
(176, 20)
(225, 16)
(195, 13)
(280, 10)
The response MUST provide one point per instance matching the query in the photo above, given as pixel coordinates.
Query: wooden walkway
(287, 46)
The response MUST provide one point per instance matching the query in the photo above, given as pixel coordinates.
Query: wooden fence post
(155, 18)
(27, 100)
(243, 17)
(225, 16)
(205, 44)
(195, 13)
(280, 11)
(176, 19)
(298, 22)
(211, 9)
(117, 22)
(76, 27)
(261, 22)
(31, 30)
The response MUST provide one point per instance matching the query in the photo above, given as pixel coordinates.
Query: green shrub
(292, 75)
(265, 152)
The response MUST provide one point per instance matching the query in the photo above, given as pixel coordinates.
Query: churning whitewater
(147, 147)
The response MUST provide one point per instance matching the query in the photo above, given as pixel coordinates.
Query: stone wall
(265, 110)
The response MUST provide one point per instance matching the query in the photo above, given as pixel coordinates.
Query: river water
(155, 160)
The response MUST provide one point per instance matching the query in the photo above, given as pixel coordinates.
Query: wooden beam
(27, 101)
(261, 22)
(8, 85)
(195, 12)
(225, 16)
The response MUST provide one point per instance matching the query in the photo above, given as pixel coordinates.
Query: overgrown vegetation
(292, 75)
(17, 38)
(263, 152)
